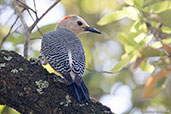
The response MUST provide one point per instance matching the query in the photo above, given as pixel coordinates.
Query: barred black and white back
(65, 54)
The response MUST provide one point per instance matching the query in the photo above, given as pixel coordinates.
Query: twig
(26, 28)
(35, 23)
(25, 6)
(157, 33)
(20, 15)
(17, 28)
(28, 31)
(6, 37)
(9, 19)
(33, 20)
(35, 38)
(103, 72)
(36, 17)
(35, 9)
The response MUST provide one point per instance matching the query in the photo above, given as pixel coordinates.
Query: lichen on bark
(20, 81)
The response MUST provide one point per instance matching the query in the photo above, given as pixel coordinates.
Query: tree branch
(26, 28)
(21, 4)
(102, 72)
(33, 20)
(34, 2)
(30, 89)
(6, 37)
(35, 23)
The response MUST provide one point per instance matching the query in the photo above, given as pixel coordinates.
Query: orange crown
(65, 18)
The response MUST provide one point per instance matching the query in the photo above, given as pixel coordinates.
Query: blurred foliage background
(127, 66)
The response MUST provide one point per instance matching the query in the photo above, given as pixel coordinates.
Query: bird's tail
(80, 92)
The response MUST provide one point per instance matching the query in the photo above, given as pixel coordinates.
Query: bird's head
(76, 24)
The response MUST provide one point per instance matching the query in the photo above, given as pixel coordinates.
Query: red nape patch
(65, 18)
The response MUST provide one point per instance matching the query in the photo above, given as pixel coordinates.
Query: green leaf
(1, 1)
(3, 30)
(145, 66)
(131, 12)
(160, 82)
(135, 27)
(139, 27)
(140, 37)
(121, 64)
(139, 3)
(2, 108)
(126, 40)
(158, 44)
(166, 29)
(111, 17)
(167, 40)
(165, 16)
(128, 49)
(148, 38)
(151, 52)
(158, 7)
(44, 30)
(19, 37)
(129, 2)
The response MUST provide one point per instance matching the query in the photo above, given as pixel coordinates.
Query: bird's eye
(79, 23)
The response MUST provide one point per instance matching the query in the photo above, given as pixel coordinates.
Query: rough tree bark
(30, 89)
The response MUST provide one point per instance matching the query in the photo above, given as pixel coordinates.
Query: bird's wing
(54, 49)
(56, 46)
(78, 60)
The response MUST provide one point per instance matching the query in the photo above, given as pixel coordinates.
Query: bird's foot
(34, 61)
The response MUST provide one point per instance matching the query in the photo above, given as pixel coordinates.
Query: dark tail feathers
(80, 92)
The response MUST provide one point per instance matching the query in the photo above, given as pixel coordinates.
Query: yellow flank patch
(50, 69)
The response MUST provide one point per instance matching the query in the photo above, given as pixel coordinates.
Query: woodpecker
(63, 50)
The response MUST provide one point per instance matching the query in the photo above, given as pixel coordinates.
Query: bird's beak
(90, 29)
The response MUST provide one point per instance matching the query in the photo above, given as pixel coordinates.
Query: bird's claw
(34, 61)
